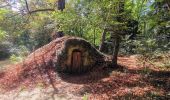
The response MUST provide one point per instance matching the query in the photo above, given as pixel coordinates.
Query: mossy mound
(77, 56)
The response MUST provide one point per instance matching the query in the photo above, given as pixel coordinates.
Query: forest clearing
(84, 50)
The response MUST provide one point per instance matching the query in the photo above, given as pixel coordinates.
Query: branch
(13, 16)
(38, 10)
(26, 3)
(2, 6)
(41, 10)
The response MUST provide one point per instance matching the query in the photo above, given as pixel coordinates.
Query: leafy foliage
(146, 23)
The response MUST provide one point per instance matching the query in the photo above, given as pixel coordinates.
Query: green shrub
(15, 58)
(85, 97)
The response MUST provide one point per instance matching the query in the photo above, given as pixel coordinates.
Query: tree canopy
(30, 23)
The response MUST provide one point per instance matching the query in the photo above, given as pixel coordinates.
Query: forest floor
(4, 62)
(136, 77)
(133, 79)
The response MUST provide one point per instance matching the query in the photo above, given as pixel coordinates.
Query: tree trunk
(102, 40)
(118, 30)
(61, 5)
(94, 37)
(116, 43)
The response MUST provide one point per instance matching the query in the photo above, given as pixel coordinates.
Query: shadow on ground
(122, 83)
(94, 75)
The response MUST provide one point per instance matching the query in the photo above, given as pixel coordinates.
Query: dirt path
(37, 94)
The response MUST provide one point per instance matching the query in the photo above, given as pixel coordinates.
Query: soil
(38, 80)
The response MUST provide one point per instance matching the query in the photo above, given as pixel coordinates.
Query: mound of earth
(42, 76)
(66, 54)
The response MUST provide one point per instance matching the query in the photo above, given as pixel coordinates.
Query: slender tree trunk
(94, 37)
(61, 5)
(102, 40)
(118, 30)
(116, 43)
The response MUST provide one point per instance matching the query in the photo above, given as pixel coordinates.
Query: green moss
(89, 54)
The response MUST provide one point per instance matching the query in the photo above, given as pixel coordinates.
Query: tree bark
(61, 5)
(102, 40)
(118, 30)
(116, 43)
